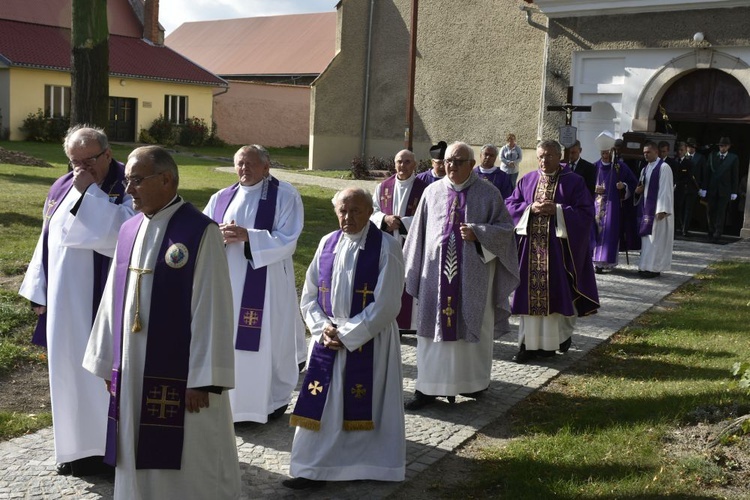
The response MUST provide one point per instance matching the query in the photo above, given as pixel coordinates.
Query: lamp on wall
(122, 82)
(699, 39)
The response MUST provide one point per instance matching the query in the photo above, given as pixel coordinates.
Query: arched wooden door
(708, 104)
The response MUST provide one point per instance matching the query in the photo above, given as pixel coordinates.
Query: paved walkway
(27, 466)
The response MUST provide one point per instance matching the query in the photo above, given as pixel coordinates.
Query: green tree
(90, 63)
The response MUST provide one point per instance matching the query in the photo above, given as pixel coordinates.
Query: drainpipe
(363, 150)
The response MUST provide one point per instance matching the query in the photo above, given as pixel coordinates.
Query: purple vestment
(487, 216)
(499, 179)
(615, 221)
(557, 275)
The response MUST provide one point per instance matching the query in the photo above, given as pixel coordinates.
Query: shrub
(424, 165)
(145, 137)
(214, 139)
(40, 128)
(358, 168)
(194, 132)
(162, 131)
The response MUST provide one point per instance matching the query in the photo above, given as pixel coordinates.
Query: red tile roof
(48, 47)
(296, 44)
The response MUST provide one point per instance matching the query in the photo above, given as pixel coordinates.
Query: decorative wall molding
(582, 8)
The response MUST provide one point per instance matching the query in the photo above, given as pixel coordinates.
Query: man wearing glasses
(461, 266)
(64, 281)
(553, 213)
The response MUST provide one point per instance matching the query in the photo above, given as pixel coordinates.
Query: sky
(172, 13)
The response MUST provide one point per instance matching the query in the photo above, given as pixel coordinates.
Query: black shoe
(420, 401)
(598, 270)
(565, 345)
(278, 413)
(523, 356)
(302, 483)
(90, 466)
(649, 274)
(63, 469)
(451, 399)
(302, 366)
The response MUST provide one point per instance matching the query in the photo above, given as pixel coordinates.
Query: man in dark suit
(582, 167)
(687, 183)
(720, 184)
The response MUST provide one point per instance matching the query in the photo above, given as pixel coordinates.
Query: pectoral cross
(449, 311)
(165, 399)
(137, 316)
(364, 291)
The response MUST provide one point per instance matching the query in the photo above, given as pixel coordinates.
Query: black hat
(690, 141)
(725, 141)
(437, 152)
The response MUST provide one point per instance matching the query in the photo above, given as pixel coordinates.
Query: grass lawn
(601, 429)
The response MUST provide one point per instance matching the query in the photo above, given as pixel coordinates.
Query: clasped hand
(543, 208)
(233, 233)
(331, 338)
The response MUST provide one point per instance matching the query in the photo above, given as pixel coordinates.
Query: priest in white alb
(162, 341)
(64, 281)
(349, 414)
(394, 203)
(654, 199)
(461, 265)
(261, 219)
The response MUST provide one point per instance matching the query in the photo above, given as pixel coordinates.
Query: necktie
(573, 166)
(722, 157)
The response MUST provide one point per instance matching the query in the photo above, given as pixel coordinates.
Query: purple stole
(112, 184)
(161, 428)
(386, 205)
(358, 376)
(254, 293)
(451, 254)
(648, 210)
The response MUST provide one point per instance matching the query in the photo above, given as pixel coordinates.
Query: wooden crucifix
(569, 107)
(568, 133)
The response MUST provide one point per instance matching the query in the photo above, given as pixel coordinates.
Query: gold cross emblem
(449, 311)
(364, 291)
(315, 388)
(50, 209)
(251, 318)
(385, 196)
(165, 399)
(359, 391)
(322, 289)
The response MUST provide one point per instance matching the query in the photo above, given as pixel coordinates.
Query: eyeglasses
(136, 181)
(88, 162)
(455, 161)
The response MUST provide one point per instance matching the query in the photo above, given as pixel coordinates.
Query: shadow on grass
(30, 179)
(13, 218)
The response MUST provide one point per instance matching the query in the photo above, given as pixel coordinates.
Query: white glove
(732, 197)
(702, 193)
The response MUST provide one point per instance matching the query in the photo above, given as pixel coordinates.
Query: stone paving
(27, 466)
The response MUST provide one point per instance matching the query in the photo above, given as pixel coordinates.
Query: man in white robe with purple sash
(461, 265)
(349, 414)
(64, 282)
(654, 198)
(261, 219)
(394, 203)
(162, 340)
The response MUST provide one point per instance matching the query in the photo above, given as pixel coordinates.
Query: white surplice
(264, 380)
(401, 193)
(79, 408)
(209, 467)
(656, 248)
(331, 453)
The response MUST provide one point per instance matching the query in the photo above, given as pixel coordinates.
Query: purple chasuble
(161, 428)
(358, 373)
(386, 206)
(499, 179)
(254, 292)
(647, 211)
(112, 185)
(557, 275)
